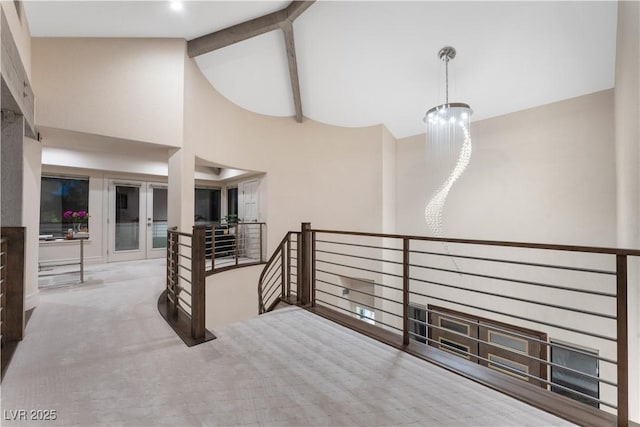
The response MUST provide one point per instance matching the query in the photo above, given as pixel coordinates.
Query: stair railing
(191, 257)
(278, 282)
(185, 290)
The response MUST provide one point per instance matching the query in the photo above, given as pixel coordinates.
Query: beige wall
(330, 176)
(238, 286)
(324, 174)
(389, 186)
(123, 88)
(546, 175)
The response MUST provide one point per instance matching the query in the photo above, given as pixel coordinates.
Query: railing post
(213, 247)
(405, 291)
(622, 341)
(304, 263)
(288, 266)
(260, 242)
(313, 269)
(198, 283)
(238, 233)
(283, 272)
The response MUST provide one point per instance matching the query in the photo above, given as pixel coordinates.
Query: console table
(68, 242)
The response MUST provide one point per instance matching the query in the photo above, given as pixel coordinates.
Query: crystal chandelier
(447, 131)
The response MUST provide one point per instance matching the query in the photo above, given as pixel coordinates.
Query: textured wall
(11, 170)
(546, 174)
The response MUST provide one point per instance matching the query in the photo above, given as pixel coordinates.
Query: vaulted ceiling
(364, 63)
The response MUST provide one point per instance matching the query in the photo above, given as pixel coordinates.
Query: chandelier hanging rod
(446, 54)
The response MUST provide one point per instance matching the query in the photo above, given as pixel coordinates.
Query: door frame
(145, 214)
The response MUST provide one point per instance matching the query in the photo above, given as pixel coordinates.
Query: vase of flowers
(79, 219)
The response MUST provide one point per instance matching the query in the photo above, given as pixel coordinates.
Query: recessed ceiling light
(176, 5)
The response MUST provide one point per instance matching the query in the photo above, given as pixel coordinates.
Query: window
(418, 314)
(367, 315)
(58, 195)
(232, 201)
(207, 205)
(581, 360)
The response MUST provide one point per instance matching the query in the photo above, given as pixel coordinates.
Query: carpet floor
(99, 354)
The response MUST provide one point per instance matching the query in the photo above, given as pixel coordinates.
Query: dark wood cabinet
(513, 350)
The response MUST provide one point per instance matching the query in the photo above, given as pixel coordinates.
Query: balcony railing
(191, 257)
(233, 244)
(503, 313)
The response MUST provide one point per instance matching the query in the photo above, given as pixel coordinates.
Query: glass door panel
(159, 219)
(127, 217)
(156, 220)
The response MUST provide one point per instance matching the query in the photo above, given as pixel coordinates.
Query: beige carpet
(100, 354)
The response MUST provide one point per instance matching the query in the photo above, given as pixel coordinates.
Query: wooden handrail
(209, 224)
(555, 247)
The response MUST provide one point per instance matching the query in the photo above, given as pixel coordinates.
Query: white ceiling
(364, 63)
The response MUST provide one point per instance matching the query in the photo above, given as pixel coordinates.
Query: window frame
(578, 350)
(46, 176)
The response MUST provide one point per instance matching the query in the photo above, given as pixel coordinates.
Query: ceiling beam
(235, 34)
(297, 8)
(282, 19)
(246, 30)
(287, 29)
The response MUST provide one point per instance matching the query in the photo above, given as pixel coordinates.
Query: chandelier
(447, 132)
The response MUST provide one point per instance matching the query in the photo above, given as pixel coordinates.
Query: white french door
(249, 208)
(137, 220)
(249, 211)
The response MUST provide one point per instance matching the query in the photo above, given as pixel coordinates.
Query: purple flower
(74, 216)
